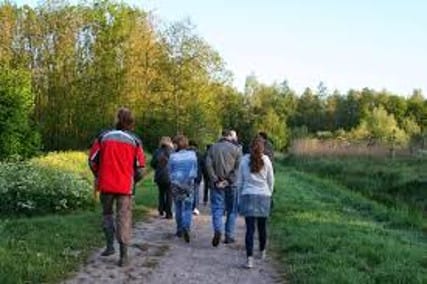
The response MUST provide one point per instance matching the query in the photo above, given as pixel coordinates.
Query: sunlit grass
(324, 233)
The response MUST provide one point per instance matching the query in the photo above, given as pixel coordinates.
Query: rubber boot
(109, 237)
(124, 259)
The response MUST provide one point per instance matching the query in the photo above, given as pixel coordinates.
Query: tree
(17, 134)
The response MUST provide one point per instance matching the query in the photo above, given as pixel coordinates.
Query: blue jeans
(183, 214)
(224, 200)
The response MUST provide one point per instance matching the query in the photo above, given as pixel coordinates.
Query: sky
(380, 44)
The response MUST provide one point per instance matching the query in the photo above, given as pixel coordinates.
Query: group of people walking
(236, 183)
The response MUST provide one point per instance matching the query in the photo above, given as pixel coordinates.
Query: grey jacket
(222, 161)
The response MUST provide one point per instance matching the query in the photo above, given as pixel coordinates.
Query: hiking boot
(229, 240)
(168, 216)
(109, 237)
(108, 251)
(124, 259)
(216, 239)
(186, 235)
(250, 262)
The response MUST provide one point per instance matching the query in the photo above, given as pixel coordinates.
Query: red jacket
(117, 159)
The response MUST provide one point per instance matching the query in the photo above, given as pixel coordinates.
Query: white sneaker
(196, 212)
(250, 262)
(263, 254)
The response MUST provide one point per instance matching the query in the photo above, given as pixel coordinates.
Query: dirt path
(157, 256)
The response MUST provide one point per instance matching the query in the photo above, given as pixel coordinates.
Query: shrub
(33, 190)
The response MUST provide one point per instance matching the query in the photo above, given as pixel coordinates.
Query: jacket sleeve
(93, 159)
(153, 162)
(209, 166)
(239, 180)
(139, 163)
(234, 172)
(270, 174)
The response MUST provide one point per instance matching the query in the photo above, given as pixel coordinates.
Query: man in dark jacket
(117, 160)
(222, 163)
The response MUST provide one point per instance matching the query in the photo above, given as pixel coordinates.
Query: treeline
(65, 69)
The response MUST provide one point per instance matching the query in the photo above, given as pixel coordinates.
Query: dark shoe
(108, 251)
(216, 239)
(124, 259)
(168, 217)
(186, 236)
(229, 240)
(179, 234)
(109, 238)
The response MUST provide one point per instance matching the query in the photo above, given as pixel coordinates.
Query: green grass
(324, 233)
(46, 249)
(397, 183)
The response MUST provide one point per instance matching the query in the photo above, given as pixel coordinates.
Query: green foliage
(47, 249)
(324, 233)
(17, 136)
(382, 126)
(33, 190)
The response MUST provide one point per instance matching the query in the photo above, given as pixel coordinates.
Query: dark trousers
(123, 224)
(165, 199)
(250, 230)
(205, 188)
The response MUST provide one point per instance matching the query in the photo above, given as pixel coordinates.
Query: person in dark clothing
(193, 147)
(159, 162)
(205, 177)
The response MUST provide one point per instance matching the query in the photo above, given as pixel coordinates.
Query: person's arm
(234, 172)
(139, 163)
(270, 174)
(93, 159)
(209, 166)
(239, 181)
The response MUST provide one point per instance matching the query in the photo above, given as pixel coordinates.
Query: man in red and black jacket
(117, 161)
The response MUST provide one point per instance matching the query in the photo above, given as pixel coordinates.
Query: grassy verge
(45, 249)
(324, 233)
(397, 183)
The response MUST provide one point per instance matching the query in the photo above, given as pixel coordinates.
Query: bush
(32, 190)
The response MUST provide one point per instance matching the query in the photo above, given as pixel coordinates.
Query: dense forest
(65, 69)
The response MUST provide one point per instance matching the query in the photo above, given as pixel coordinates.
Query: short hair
(181, 142)
(226, 133)
(165, 141)
(124, 119)
(263, 135)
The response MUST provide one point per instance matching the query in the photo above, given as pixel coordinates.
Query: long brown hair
(256, 163)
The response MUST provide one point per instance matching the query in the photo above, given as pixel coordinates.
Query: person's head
(263, 135)
(233, 135)
(124, 119)
(165, 141)
(256, 152)
(226, 134)
(181, 142)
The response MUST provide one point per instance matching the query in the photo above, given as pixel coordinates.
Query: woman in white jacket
(255, 182)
